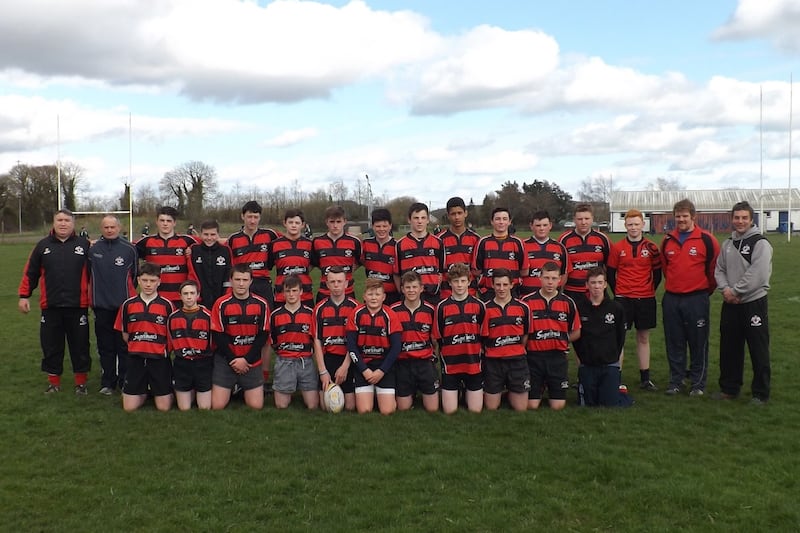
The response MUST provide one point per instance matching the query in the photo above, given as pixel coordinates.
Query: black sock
(644, 375)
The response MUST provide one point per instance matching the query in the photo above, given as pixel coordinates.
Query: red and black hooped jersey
(373, 331)
(417, 330)
(290, 332)
(424, 256)
(458, 249)
(61, 269)
(504, 329)
(190, 334)
(636, 264)
(344, 252)
(292, 257)
(493, 253)
(241, 321)
(253, 251)
(583, 253)
(539, 254)
(170, 255)
(330, 324)
(551, 322)
(379, 261)
(146, 326)
(457, 328)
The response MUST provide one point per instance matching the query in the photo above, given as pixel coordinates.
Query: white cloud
(774, 20)
(503, 162)
(292, 137)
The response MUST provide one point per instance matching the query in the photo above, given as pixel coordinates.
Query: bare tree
(191, 185)
(338, 191)
(596, 189)
(665, 184)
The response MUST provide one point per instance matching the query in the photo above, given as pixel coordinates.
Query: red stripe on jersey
(583, 253)
(330, 325)
(424, 256)
(170, 255)
(373, 331)
(146, 326)
(458, 249)
(551, 322)
(457, 328)
(539, 254)
(635, 263)
(493, 253)
(190, 334)
(344, 252)
(504, 328)
(253, 251)
(291, 332)
(379, 261)
(61, 270)
(241, 320)
(417, 329)
(292, 257)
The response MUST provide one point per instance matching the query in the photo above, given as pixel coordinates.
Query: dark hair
(458, 270)
(335, 269)
(595, 271)
(410, 277)
(169, 211)
(684, 205)
(415, 207)
(502, 273)
(209, 224)
(551, 266)
(381, 215)
(500, 210)
(540, 215)
(150, 269)
(189, 283)
(743, 206)
(456, 201)
(252, 206)
(64, 211)
(583, 208)
(334, 212)
(291, 281)
(293, 212)
(241, 268)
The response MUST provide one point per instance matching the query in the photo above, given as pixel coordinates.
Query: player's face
(597, 286)
(335, 226)
(583, 222)
(294, 226)
(412, 291)
(337, 282)
(457, 217)
(500, 222)
(684, 221)
(166, 225)
(209, 236)
(460, 286)
(293, 295)
(189, 296)
(502, 287)
(240, 284)
(382, 228)
(149, 284)
(374, 298)
(63, 225)
(742, 221)
(419, 222)
(251, 220)
(110, 227)
(633, 226)
(550, 280)
(541, 228)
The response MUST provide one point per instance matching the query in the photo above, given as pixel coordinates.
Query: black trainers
(81, 390)
(648, 386)
(52, 389)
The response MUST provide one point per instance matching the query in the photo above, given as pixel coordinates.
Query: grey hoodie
(749, 280)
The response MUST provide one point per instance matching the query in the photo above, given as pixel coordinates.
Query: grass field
(666, 464)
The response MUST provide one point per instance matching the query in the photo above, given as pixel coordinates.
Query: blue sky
(431, 99)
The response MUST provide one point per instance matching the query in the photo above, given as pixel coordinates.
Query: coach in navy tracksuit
(113, 263)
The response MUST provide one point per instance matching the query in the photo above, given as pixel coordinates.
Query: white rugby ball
(333, 398)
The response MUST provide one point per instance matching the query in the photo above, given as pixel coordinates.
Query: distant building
(713, 208)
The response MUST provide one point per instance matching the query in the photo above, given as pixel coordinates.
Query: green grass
(666, 464)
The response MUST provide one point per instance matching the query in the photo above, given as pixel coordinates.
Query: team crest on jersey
(645, 252)
(305, 254)
(431, 251)
(390, 260)
(693, 251)
(425, 328)
(119, 261)
(46, 251)
(159, 319)
(556, 257)
(199, 260)
(263, 248)
(178, 251)
(518, 321)
(755, 321)
(305, 328)
(610, 318)
(562, 317)
(511, 256)
(598, 249)
(202, 335)
(474, 319)
(745, 250)
(79, 250)
(623, 253)
(348, 253)
(383, 332)
(221, 261)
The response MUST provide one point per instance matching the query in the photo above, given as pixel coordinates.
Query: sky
(430, 99)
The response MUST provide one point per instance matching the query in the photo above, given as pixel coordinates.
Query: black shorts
(500, 373)
(416, 375)
(143, 375)
(639, 311)
(471, 382)
(549, 371)
(389, 380)
(192, 374)
(332, 364)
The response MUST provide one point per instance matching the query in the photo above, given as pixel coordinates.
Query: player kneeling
(457, 330)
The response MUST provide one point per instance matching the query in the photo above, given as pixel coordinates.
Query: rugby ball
(333, 398)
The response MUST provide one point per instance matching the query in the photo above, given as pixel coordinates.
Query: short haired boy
(457, 330)
(415, 367)
(459, 242)
(505, 332)
(190, 342)
(499, 250)
(143, 323)
(210, 264)
(421, 252)
(250, 246)
(373, 343)
(556, 323)
(292, 341)
(240, 322)
(335, 248)
(586, 247)
(600, 345)
(540, 249)
(330, 332)
(290, 254)
(379, 254)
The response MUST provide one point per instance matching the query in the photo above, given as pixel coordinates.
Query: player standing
(421, 252)
(540, 249)
(499, 250)
(335, 248)
(379, 254)
(291, 254)
(459, 242)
